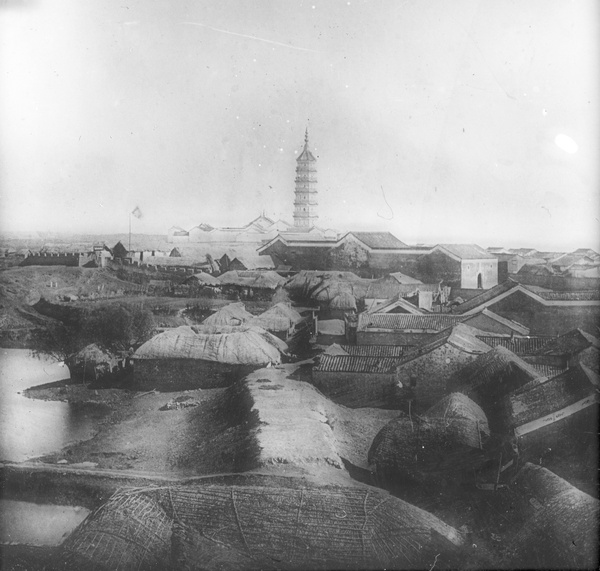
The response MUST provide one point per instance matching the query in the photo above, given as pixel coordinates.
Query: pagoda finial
(306, 136)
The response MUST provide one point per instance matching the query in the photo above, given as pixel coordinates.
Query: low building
(561, 527)
(390, 287)
(258, 285)
(256, 231)
(425, 370)
(357, 381)
(467, 266)
(283, 321)
(445, 445)
(204, 357)
(366, 253)
(401, 328)
(556, 414)
(233, 314)
(492, 376)
(491, 322)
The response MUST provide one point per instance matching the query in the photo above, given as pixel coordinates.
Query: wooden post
(498, 474)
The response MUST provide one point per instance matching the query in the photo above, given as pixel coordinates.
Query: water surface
(31, 427)
(37, 524)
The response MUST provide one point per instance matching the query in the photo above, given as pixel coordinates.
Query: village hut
(280, 318)
(357, 381)
(203, 284)
(432, 448)
(555, 415)
(331, 331)
(426, 368)
(143, 539)
(342, 304)
(562, 530)
(457, 405)
(283, 321)
(233, 314)
(203, 279)
(259, 285)
(490, 377)
(204, 356)
(241, 526)
(325, 286)
(91, 364)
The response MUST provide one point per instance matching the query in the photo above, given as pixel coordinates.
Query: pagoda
(305, 199)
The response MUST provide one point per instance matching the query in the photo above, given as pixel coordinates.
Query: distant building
(369, 252)
(257, 231)
(467, 266)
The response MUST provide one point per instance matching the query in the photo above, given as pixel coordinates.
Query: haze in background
(462, 121)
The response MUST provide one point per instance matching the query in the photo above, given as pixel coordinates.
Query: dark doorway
(479, 281)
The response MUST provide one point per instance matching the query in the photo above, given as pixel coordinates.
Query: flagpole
(129, 250)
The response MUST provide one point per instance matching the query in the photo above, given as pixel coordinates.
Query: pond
(37, 524)
(30, 427)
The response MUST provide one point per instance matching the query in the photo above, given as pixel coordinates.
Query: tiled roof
(570, 259)
(536, 270)
(538, 400)
(404, 278)
(376, 350)
(592, 295)
(386, 288)
(569, 343)
(356, 364)
(468, 251)
(393, 303)
(549, 371)
(496, 364)
(486, 296)
(404, 321)
(518, 345)
(460, 336)
(379, 240)
(306, 237)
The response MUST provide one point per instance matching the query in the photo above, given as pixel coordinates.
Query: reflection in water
(29, 427)
(37, 524)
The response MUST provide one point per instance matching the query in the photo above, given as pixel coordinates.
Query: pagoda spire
(305, 194)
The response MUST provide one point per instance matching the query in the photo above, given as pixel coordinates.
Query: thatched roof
(252, 279)
(234, 345)
(221, 526)
(91, 354)
(458, 405)
(281, 317)
(232, 314)
(562, 532)
(423, 447)
(324, 286)
(204, 279)
(344, 301)
(143, 540)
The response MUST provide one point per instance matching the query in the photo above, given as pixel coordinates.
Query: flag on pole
(137, 212)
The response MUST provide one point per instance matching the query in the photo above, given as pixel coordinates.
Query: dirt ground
(138, 436)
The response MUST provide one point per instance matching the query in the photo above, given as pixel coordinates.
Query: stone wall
(547, 320)
(428, 374)
(357, 390)
(181, 374)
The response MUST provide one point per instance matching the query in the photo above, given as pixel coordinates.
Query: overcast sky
(440, 121)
